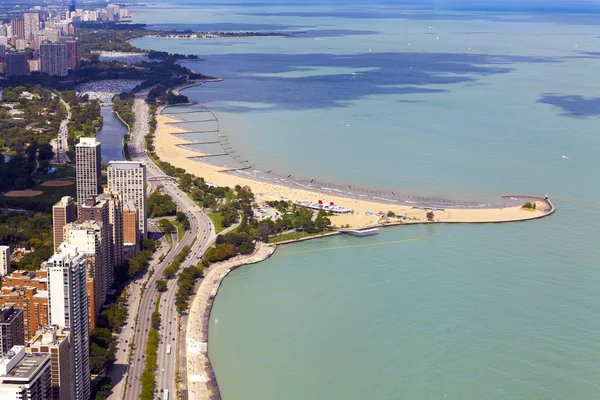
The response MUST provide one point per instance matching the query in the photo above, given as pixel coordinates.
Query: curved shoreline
(202, 382)
(171, 147)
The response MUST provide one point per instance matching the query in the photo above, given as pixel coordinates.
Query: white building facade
(129, 179)
(68, 308)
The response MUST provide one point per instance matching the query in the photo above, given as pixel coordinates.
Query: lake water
(458, 103)
(111, 136)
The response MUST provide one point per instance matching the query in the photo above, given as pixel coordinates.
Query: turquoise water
(478, 105)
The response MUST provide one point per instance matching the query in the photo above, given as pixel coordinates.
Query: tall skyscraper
(53, 59)
(72, 6)
(129, 179)
(4, 260)
(31, 25)
(16, 64)
(93, 239)
(57, 342)
(68, 308)
(25, 376)
(63, 213)
(18, 28)
(72, 55)
(27, 290)
(88, 165)
(12, 331)
(2, 52)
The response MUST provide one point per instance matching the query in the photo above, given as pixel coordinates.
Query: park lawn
(217, 220)
(44, 202)
(180, 230)
(291, 236)
(168, 236)
(62, 173)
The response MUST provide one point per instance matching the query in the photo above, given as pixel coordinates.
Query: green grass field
(180, 230)
(291, 236)
(217, 220)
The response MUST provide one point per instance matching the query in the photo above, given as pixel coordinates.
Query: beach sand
(168, 149)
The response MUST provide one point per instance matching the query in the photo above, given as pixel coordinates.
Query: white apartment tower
(4, 260)
(129, 179)
(68, 308)
(32, 25)
(88, 165)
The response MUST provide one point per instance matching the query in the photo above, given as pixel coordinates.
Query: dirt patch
(58, 183)
(23, 193)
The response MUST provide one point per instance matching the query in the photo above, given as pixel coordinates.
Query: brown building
(63, 213)
(57, 342)
(131, 230)
(18, 28)
(72, 55)
(27, 290)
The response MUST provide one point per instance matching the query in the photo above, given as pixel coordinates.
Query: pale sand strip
(202, 384)
(168, 149)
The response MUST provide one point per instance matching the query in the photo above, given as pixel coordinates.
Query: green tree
(430, 216)
(161, 285)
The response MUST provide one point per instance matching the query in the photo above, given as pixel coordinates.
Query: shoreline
(365, 204)
(201, 380)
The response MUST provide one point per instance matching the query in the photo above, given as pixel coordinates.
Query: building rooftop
(26, 367)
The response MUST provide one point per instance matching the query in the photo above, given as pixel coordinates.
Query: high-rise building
(4, 260)
(88, 165)
(2, 51)
(129, 179)
(131, 230)
(115, 211)
(25, 375)
(18, 28)
(31, 25)
(16, 64)
(11, 328)
(72, 6)
(57, 341)
(72, 55)
(68, 308)
(99, 209)
(27, 290)
(53, 59)
(92, 239)
(63, 213)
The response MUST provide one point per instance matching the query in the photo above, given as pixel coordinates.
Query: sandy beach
(169, 148)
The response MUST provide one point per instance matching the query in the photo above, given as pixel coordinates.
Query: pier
(190, 122)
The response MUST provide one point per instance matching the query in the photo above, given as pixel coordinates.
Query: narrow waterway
(111, 136)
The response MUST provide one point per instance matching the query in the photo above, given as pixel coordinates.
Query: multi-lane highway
(118, 372)
(200, 236)
(60, 144)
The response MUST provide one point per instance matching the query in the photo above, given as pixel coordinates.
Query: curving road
(200, 237)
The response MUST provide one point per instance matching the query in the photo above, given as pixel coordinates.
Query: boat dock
(360, 232)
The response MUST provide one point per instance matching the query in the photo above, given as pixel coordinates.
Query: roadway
(118, 372)
(61, 144)
(199, 238)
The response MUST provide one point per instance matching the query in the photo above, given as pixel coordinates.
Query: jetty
(360, 232)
